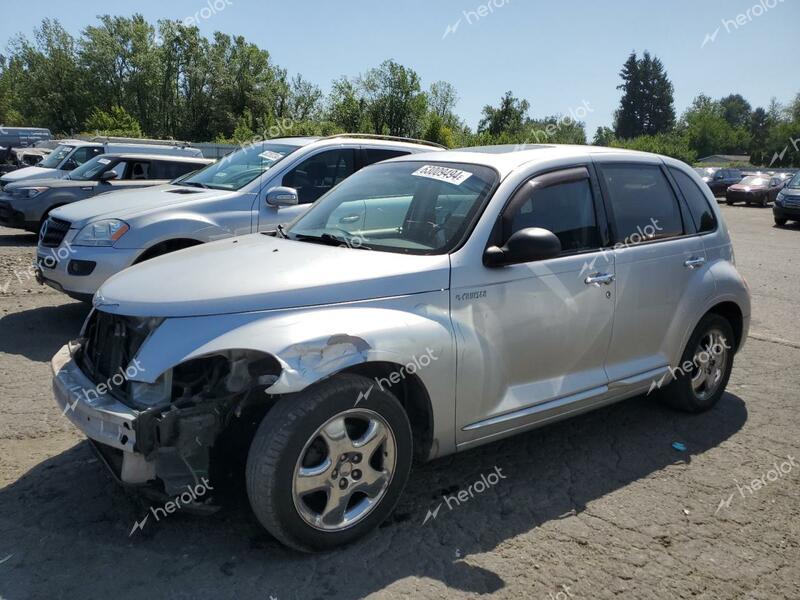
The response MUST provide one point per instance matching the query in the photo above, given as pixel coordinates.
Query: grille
(111, 342)
(53, 232)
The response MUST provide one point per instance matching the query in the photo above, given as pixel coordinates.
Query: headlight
(101, 233)
(780, 198)
(31, 192)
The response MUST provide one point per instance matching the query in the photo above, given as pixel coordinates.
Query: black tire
(283, 437)
(680, 393)
(729, 201)
(765, 200)
(780, 222)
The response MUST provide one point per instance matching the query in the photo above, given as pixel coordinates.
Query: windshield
(755, 180)
(91, 169)
(407, 207)
(239, 168)
(795, 182)
(56, 156)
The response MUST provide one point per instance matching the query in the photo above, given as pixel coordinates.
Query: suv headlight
(30, 192)
(101, 233)
(780, 198)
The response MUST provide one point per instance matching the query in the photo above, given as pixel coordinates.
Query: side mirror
(525, 245)
(108, 176)
(282, 196)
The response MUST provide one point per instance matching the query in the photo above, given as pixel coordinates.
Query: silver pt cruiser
(426, 305)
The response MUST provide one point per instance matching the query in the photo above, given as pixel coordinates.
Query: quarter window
(642, 202)
(698, 204)
(566, 209)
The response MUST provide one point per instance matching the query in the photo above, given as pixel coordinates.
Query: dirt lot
(601, 506)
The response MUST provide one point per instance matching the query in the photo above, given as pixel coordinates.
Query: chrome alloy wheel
(710, 362)
(344, 470)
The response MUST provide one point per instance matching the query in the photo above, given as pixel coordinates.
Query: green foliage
(115, 122)
(668, 144)
(708, 131)
(507, 119)
(646, 107)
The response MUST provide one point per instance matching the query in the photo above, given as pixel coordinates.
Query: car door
(311, 177)
(534, 335)
(657, 256)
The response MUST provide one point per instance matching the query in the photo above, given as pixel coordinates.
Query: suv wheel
(729, 201)
(780, 222)
(328, 465)
(705, 367)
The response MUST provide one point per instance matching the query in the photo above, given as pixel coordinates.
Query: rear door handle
(599, 278)
(695, 262)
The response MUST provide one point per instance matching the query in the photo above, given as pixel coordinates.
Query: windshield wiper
(193, 184)
(328, 239)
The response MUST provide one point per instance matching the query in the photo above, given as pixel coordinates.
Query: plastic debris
(679, 446)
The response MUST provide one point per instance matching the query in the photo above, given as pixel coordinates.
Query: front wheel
(328, 465)
(780, 222)
(700, 379)
(729, 201)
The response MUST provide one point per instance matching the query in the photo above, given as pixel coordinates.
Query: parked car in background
(706, 173)
(253, 189)
(426, 305)
(20, 137)
(26, 204)
(71, 154)
(755, 189)
(787, 202)
(722, 179)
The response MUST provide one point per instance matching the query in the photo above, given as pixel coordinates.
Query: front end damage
(161, 436)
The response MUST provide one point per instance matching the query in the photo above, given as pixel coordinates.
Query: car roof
(506, 158)
(361, 140)
(169, 157)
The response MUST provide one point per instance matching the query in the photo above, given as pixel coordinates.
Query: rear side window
(566, 209)
(373, 155)
(172, 170)
(642, 201)
(701, 211)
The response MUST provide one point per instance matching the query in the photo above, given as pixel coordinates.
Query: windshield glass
(56, 156)
(407, 207)
(795, 182)
(91, 169)
(239, 168)
(755, 180)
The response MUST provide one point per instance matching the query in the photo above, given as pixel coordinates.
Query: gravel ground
(601, 506)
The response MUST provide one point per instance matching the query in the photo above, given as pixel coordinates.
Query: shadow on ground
(22, 238)
(68, 505)
(38, 333)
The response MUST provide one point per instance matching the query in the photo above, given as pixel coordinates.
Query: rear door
(657, 257)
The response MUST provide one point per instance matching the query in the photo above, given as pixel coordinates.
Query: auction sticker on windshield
(446, 174)
(270, 155)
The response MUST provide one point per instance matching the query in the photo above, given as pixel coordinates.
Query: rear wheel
(705, 367)
(328, 465)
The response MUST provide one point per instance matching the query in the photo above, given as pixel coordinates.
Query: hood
(135, 202)
(258, 272)
(33, 173)
(51, 183)
(739, 187)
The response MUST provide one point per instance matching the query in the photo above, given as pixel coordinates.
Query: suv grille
(111, 342)
(54, 232)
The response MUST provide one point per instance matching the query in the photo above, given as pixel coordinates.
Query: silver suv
(254, 189)
(426, 305)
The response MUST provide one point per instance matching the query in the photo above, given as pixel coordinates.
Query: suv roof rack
(391, 138)
(144, 141)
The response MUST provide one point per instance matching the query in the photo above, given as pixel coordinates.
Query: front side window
(373, 155)
(81, 155)
(642, 201)
(406, 207)
(239, 168)
(93, 168)
(319, 173)
(58, 154)
(701, 211)
(171, 170)
(566, 209)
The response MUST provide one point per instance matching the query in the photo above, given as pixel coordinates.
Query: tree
(115, 122)
(604, 136)
(304, 100)
(346, 107)
(759, 130)
(646, 107)
(509, 118)
(707, 132)
(736, 110)
(395, 102)
(442, 100)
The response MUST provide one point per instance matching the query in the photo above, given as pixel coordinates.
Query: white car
(426, 305)
(253, 189)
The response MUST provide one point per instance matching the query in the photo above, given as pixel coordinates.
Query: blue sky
(558, 55)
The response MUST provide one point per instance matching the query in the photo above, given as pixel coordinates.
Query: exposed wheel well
(733, 314)
(166, 247)
(411, 393)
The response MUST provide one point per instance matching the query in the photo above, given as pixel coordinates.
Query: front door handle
(349, 219)
(598, 279)
(695, 262)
